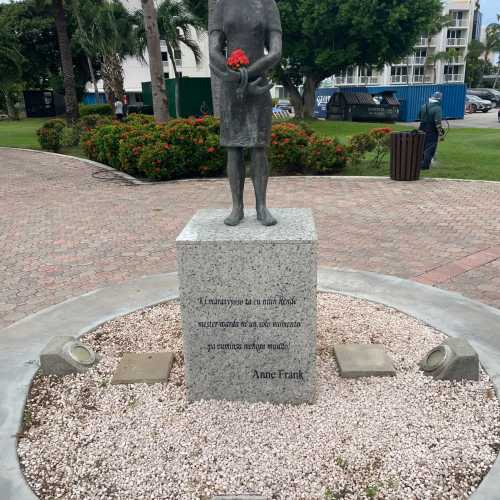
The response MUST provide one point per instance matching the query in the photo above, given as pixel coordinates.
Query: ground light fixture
(455, 359)
(65, 355)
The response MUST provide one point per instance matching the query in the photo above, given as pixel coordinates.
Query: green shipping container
(195, 96)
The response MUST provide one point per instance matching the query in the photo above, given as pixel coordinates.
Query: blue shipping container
(89, 98)
(411, 97)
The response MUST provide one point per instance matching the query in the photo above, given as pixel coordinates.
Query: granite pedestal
(248, 303)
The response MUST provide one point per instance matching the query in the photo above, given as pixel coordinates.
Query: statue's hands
(232, 76)
(258, 87)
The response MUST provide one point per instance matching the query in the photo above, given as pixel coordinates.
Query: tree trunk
(309, 96)
(160, 101)
(93, 78)
(295, 98)
(216, 82)
(11, 106)
(112, 75)
(171, 55)
(66, 62)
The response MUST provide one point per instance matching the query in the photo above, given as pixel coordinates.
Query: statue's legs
(236, 175)
(260, 174)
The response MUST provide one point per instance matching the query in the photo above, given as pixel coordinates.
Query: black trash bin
(407, 151)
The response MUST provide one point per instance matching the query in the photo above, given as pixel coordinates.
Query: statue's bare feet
(234, 217)
(265, 217)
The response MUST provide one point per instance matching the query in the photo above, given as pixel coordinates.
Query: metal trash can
(407, 151)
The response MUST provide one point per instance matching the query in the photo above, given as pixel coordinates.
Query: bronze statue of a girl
(254, 27)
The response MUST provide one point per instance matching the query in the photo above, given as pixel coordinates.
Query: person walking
(119, 110)
(431, 115)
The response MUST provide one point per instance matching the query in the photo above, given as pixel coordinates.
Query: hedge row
(190, 148)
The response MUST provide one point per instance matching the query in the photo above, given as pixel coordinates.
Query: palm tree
(160, 101)
(216, 81)
(493, 44)
(433, 59)
(70, 98)
(177, 27)
(113, 38)
(83, 11)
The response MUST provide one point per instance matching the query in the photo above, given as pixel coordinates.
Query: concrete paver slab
(363, 360)
(143, 368)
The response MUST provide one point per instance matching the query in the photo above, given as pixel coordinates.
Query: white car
(475, 103)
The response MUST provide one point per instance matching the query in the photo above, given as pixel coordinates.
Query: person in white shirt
(119, 110)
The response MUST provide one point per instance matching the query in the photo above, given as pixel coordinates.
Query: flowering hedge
(190, 148)
(376, 141)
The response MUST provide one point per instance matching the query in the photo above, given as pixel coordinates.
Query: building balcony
(425, 42)
(458, 23)
(454, 78)
(368, 80)
(456, 60)
(419, 61)
(399, 79)
(422, 79)
(456, 42)
(344, 80)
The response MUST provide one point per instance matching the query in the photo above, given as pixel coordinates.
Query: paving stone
(377, 225)
(363, 360)
(143, 368)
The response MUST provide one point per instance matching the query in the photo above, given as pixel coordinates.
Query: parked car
(474, 104)
(285, 104)
(492, 95)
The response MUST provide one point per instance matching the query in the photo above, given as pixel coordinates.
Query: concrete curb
(21, 343)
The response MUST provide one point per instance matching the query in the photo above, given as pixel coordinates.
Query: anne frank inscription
(255, 325)
(249, 308)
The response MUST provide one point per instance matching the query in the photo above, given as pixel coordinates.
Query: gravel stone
(403, 437)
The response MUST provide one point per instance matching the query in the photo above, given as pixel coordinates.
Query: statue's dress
(246, 25)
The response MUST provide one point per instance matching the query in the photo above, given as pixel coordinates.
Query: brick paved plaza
(64, 232)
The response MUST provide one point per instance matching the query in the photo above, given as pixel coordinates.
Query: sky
(490, 9)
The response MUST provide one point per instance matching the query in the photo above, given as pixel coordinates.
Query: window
(451, 70)
(164, 56)
(178, 57)
(399, 70)
(419, 71)
(138, 97)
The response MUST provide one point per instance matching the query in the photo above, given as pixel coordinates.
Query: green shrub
(375, 141)
(102, 143)
(95, 109)
(50, 135)
(360, 145)
(70, 137)
(325, 156)
(88, 122)
(188, 148)
(288, 149)
(137, 120)
(131, 145)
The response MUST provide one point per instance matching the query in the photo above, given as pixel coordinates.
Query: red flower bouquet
(238, 59)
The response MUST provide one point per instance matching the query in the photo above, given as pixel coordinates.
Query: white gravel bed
(403, 437)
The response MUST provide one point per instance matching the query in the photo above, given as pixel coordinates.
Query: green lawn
(22, 134)
(468, 153)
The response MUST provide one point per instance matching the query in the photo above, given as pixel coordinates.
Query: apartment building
(428, 63)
